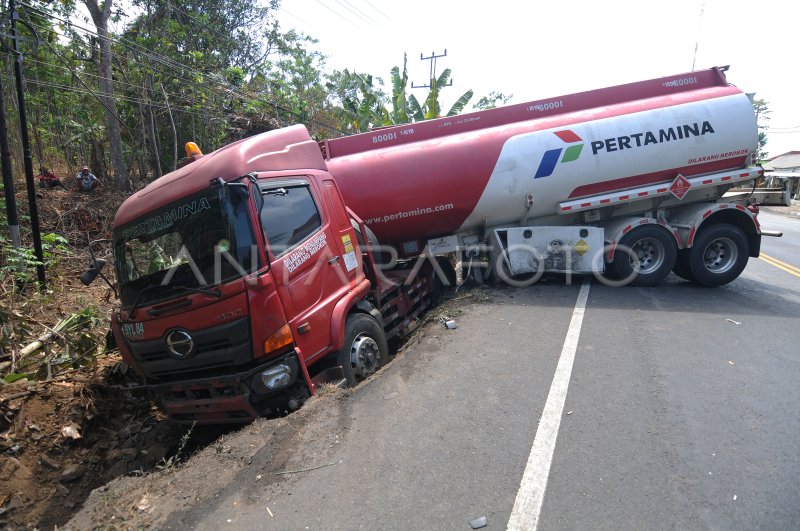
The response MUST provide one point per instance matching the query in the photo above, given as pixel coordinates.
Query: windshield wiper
(211, 292)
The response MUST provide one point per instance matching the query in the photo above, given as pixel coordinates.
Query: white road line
(528, 505)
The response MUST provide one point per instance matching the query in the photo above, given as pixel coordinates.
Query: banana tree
(400, 110)
(432, 108)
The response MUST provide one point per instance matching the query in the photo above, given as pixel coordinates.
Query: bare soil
(79, 449)
(64, 436)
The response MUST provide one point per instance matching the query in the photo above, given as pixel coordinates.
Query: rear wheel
(719, 255)
(648, 251)
(365, 349)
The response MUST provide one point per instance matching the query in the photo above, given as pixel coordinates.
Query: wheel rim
(720, 255)
(647, 255)
(364, 355)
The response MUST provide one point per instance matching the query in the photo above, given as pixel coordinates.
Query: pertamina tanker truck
(256, 271)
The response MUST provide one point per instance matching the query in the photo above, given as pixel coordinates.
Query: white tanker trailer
(564, 184)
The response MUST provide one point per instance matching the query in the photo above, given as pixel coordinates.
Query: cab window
(288, 216)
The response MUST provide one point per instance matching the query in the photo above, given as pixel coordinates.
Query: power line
(110, 111)
(376, 9)
(233, 90)
(194, 19)
(121, 41)
(95, 76)
(165, 61)
(155, 57)
(357, 12)
(42, 83)
(329, 8)
(298, 18)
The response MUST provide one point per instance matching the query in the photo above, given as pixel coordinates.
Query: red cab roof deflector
(283, 149)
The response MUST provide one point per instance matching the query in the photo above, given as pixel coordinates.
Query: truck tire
(365, 348)
(719, 255)
(652, 252)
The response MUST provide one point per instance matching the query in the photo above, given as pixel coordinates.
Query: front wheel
(719, 255)
(365, 349)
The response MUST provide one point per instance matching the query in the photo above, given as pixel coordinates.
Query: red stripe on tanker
(480, 178)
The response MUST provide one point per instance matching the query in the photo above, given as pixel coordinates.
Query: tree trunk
(96, 159)
(100, 17)
(144, 170)
(154, 139)
(174, 131)
(147, 90)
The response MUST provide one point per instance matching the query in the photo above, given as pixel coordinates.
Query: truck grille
(219, 350)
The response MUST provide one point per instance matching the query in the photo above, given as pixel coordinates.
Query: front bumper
(225, 399)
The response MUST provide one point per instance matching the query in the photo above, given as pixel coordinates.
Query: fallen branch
(30, 348)
(71, 321)
(306, 469)
(15, 396)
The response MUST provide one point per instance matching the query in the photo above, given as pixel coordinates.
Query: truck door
(305, 260)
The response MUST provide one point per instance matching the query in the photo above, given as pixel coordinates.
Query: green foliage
(169, 462)
(408, 108)
(494, 99)
(54, 247)
(364, 106)
(220, 71)
(362, 102)
(15, 376)
(761, 108)
(400, 111)
(20, 262)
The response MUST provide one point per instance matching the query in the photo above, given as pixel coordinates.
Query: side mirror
(91, 271)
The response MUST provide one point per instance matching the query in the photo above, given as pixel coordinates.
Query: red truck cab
(241, 272)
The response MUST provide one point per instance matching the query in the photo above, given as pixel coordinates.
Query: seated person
(48, 179)
(87, 180)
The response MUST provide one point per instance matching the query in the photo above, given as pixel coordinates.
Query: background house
(785, 166)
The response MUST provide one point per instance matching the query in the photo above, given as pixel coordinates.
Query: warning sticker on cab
(348, 244)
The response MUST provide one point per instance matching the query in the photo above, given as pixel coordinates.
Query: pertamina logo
(635, 140)
(552, 156)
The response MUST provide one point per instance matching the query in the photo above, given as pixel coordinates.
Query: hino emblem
(180, 344)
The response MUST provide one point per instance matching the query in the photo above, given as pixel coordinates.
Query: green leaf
(443, 78)
(14, 376)
(459, 105)
(415, 108)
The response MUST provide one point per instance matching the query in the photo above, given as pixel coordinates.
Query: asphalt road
(681, 412)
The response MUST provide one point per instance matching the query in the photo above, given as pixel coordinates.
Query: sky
(535, 50)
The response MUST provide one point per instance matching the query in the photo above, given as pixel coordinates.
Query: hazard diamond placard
(680, 186)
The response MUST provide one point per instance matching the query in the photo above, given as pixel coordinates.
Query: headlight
(276, 377)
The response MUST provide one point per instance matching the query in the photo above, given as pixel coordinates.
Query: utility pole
(432, 79)
(8, 176)
(26, 148)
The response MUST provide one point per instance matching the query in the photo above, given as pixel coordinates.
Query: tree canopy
(122, 89)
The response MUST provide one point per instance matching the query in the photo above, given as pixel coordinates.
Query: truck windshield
(198, 242)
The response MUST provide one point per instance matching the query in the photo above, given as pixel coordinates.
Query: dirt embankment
(67, 431)
(64, 429)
